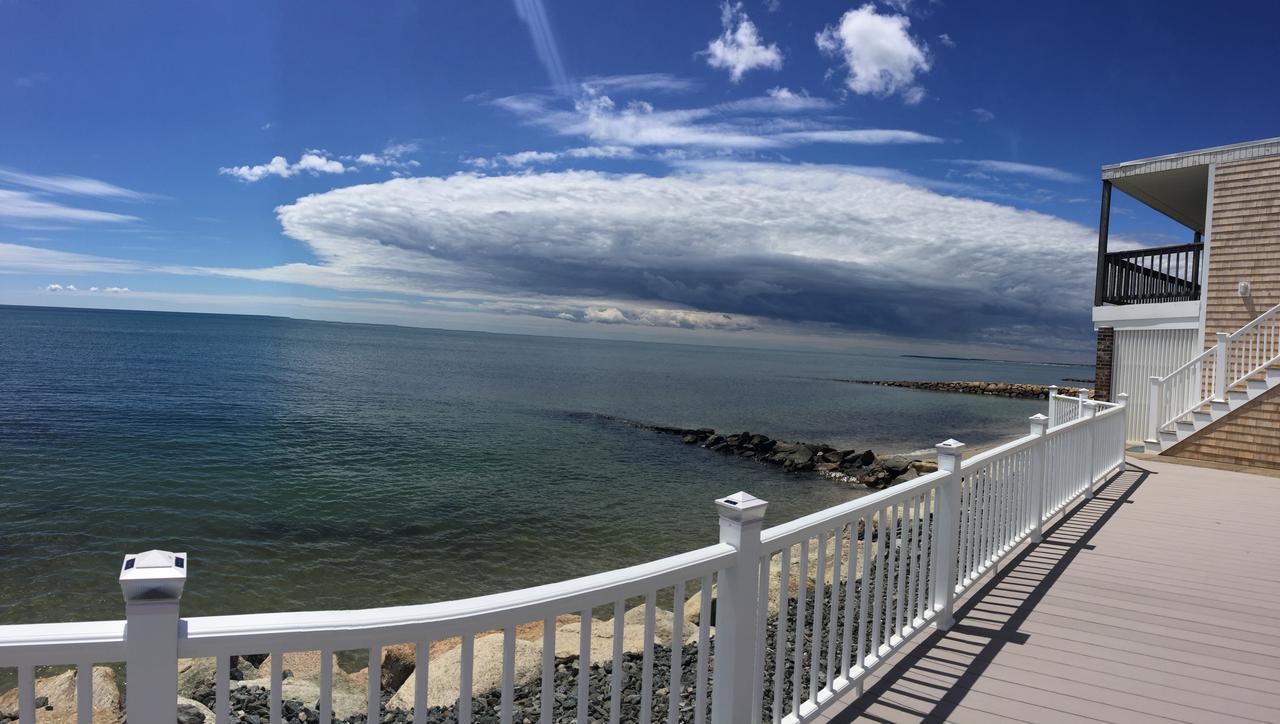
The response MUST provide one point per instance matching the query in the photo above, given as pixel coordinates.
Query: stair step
(1202, 418)
(1258, 386)
(1186, 426)
(1152, 447)
(1168, 437)
(1273, 374)
(1220, 408)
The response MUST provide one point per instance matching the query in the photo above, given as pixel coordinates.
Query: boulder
(59, 694)
(349, 692)
(397, 663)
(191, 711)
(197, 674)
(689, 439)
(304, 664)
(442, 683)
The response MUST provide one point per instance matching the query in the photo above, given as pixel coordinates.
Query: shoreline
(1016, 390)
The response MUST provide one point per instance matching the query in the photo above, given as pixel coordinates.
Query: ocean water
(307, 465)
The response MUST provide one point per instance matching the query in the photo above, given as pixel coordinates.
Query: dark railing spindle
(1164, 274)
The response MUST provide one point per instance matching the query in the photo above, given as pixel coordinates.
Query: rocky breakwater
(861, 467)
(1001, 389)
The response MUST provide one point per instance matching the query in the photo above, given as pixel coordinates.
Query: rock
(350, 695)
(826, 467)
(896, 465)
(713, 440)
(398, 662)
(193, 712)
(442, 684)
(195, 674)
(689, 439)
(924, 466)
(59, 695)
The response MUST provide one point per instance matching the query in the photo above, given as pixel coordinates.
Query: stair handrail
(1213, 386)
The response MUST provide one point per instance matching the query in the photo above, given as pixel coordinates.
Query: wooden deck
(1158, 600)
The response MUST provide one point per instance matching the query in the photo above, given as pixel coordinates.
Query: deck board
(1157, 601)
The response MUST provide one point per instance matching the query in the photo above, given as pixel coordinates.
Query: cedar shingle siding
(1244, 246)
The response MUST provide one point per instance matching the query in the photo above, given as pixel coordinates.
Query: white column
(735, 698)
(152, 586)
(1053, 392)
(1039, 474)
(946, 517)
(1153, 410)
(1091, 447)
(1220, 367)
(1123, 442)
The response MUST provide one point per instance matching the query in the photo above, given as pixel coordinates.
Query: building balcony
(1150, 276)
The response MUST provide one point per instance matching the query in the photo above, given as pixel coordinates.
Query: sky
(905, 174)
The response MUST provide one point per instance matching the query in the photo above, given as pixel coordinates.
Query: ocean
(314, 465)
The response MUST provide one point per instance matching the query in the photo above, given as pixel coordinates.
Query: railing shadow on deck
(1044, 562)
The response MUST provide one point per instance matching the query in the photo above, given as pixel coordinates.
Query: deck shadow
(1019, 585)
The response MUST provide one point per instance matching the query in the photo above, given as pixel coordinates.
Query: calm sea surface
(316, 465)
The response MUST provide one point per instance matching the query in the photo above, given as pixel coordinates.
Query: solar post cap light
(153, 576)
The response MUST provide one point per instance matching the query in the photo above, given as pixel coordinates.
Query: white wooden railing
(842, 589)
(1208, 376)
(1064, 408)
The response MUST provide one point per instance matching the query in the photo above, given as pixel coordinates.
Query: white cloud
(881, 56)
(654, 82)
(740, 48)
(862, 136)
(729, 125)
(946, 40)
(1046, 173)
(116, 290)
(54, 288)
(393, 156)
(312, 162)
(535, 18)
(18, 258)
(796, 243)
(983, 115)
(21, 205)
(71, 185)
(528, 158)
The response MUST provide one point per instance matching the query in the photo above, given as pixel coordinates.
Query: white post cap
(950, 446)
(1039, 422)
(742, 507)
(154, 575)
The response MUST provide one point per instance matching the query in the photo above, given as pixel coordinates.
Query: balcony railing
(1148, 276)
(898, 560)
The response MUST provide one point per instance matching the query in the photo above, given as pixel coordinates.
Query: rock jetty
(1000, 389)
(862, 467)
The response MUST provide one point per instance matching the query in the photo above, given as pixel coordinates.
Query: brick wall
(1102, 365)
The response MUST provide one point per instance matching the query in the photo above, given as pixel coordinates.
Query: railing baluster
(926, 552)
(584, 665)
(508, 673)
(864, 589)
(84, 693)
(277, 664)
(326, 688)
(797, 664)
(780, 633)
(421, 670)
(851, 571)
(464, 679)
(26, 695)
(837, 553)
(646, 669)
(900, 551)
(375, 684)
(878, 595)
(677, 652)
(548, 694)
(615, 675)
(704, 649)
(222, 689)
(762, 617)
(819, 590)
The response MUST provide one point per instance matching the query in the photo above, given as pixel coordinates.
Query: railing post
(1123, 400)
(1039, 475)
(946, 517)
(152, 586)
(1082, 396)
(1220, 367)
(1153, 410)
(1091, 446)
(1053, 392)
(735, 697)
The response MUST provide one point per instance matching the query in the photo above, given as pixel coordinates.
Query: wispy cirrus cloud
(18, 205)
(739, 47)
(744, 124)
(1044, 173)
(878, 52)
(534, 16)
(71, 185)
(529, 158)
(635, 82)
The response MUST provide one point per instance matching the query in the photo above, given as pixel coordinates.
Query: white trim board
(1167, 315)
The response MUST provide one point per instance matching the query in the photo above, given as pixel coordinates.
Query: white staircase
(1242, 366)
(1199, 419)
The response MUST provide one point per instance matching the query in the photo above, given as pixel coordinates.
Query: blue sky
(817, 173)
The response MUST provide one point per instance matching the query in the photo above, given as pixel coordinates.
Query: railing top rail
(1004, 450)
(1255, 322)
(1186, 365)
(787, 533)
(1148, 251)
(468, 615)
(57, 643)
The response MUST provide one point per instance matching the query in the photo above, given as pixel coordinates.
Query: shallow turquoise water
(316, 465)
